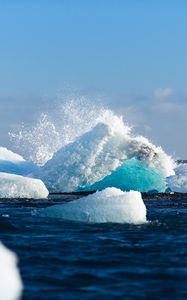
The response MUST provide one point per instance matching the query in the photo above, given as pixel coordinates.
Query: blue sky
(133, 52)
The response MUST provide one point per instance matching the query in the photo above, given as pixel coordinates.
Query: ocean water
(71, 260)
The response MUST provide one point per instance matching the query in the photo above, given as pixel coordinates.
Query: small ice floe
(10, 280)
(178, 182)
(110, 205)
(16, 186)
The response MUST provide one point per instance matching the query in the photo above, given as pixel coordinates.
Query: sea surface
(69, 260)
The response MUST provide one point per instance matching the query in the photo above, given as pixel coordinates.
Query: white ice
(8, 155)
(11, 162)
(178, 182)
(96, 154)
(109, 205)
(16, 186)
(10, 280)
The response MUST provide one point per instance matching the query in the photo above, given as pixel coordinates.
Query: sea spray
(60, 126)
(38, 142)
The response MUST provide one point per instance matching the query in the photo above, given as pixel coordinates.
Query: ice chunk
(178, 182)
(11, 162)
(10, 280)
(16, 186)
(109, 205)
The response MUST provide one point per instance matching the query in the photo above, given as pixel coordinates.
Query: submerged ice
(110, 205)
(10, 280)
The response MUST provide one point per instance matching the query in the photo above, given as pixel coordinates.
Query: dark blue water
(64, 260)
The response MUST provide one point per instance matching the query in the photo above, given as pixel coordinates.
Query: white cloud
(164, 93)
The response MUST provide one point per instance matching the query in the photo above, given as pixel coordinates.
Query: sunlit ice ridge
(81, 146)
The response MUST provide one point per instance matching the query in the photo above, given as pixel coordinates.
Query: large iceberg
(10, 280)
(16, 186)
(13, 163)
(178, 182)
(82, 146)
(99, 153)
(109, 205)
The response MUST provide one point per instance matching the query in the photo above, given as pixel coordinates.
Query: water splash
(37, 143)
(53, 130)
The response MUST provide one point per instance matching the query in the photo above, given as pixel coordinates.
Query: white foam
(178, 182)
(16, 186)
(10, 280)
(96, 154)
(109, 205)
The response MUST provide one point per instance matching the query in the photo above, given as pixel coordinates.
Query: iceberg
(16, 186)
(99, 153)
(82, 146)
(178, 182)
(110, 205)
(10, 280)
(13, 163)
